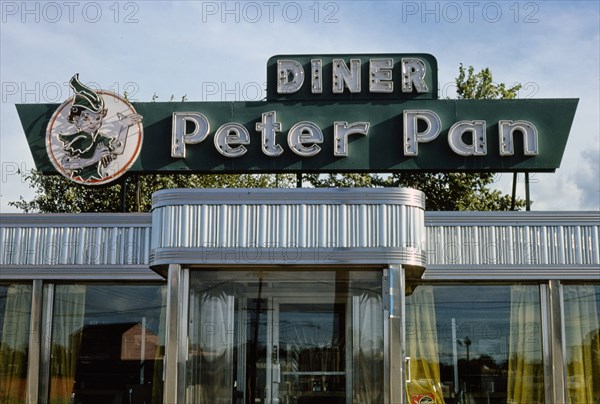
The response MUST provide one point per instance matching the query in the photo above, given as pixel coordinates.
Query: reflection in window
(295, 337)
(474, 344)
(582, 339)
(107, 344)
(15, 311)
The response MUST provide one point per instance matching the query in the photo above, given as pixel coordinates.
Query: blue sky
(217, 51)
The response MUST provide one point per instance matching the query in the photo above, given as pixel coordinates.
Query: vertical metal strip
(546, 343)
(514, 192)
(172, 334)
(402, 334)
(242, 335)
(45, 343)
(35, 337)
(527, 194)
(385, 300)
(560, 366)
(397, 382)
(183, 334)
(353, 349)
(269, 351)
(558, 376)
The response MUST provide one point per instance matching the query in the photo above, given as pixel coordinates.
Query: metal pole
(124, 195)
(527, 198)
(396, 335)
(173, 331)
(138, 196)
(298, 180)
(142, 349)
(558, 376)
(514, 192)
(35, 341)
(454, 356)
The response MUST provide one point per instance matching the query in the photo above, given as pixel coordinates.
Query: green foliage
(57, 194)
(342, 180)
(456, 191)
(478, 86)
(443, 191)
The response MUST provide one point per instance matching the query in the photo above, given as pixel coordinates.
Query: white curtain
(423, 368)
(582, 338)
(14, 344)
(67, 329)
(210, 351)
(525, 367)
(368, 349)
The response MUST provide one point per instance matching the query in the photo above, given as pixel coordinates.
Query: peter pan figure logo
(94, 137)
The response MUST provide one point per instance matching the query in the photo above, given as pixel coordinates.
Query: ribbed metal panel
(337, 227)
(74, 240)
(290, 219)
(513, 238)
(303, 226)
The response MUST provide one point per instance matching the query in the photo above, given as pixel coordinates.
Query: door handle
(276, 373)
(276, 367)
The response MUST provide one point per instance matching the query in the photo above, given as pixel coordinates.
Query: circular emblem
(94, 137)
(425, 399)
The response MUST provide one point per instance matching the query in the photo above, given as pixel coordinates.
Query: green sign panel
(352, 77)
(383, 146)
(324, 113)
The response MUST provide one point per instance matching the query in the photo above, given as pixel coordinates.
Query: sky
(217, 51)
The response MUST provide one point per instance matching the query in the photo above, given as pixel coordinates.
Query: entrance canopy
(291, 227)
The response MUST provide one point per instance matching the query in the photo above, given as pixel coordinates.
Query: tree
(481, 86)
(56, 194)
(443, 191)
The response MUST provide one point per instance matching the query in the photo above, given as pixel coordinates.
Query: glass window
(285, 337)
(582, 340)
(107, 344)
(15, 312)
(474, 344)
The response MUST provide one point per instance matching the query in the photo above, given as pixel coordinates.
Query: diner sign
(323, 114)
(352, 77)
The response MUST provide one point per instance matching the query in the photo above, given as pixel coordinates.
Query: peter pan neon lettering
(465, 138)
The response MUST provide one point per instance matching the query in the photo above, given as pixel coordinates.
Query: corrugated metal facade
(302, 225)
(554, 243)
(514, 245)
(73, 245)
(219, 226)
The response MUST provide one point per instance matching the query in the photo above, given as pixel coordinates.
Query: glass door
(293, 351)
(294, 337)
(309, 351)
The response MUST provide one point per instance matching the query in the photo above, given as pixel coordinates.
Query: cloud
(587, 179)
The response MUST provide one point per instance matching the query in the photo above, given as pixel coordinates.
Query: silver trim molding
(291, 196)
